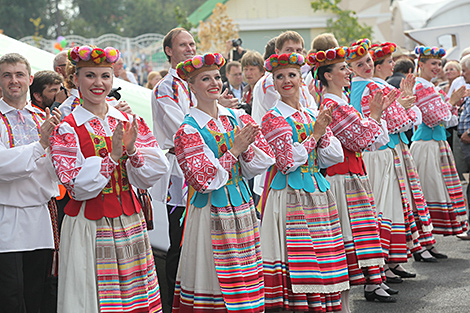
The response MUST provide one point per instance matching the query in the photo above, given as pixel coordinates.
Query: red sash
(353, 164)
(117, 197)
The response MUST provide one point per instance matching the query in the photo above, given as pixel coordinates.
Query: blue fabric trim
(427, 133)
(357, 89)
(219, 196)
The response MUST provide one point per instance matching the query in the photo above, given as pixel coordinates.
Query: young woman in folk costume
(105, 262)
(349, 181)
(220, 267)
(304, 260)
(405, 168)
(434, 159)
(383, 165)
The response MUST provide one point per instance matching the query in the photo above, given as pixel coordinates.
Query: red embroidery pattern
(260, 141)
(226, 123)
(347, 125)
(137, 160)
(198, 169)
(107, 166)
(434, 109)
(64, 151)
(145, 138)
(278, 134)
(248, 155)
(325, 139)
(98, 129)
(395, 115)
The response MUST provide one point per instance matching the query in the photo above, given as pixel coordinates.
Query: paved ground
(442, 287)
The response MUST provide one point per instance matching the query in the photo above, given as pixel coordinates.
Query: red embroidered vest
(117, 197)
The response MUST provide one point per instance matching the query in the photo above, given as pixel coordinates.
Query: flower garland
(358, 49)
(275, 62)
(380, 51)
(330, 56)
(430, 52)
(193, 66)
(97, 55)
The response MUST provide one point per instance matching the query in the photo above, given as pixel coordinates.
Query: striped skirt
(220, 268)
(356, 209)
(107, 266)
(441, 186)
(415, 195)
(304, 260)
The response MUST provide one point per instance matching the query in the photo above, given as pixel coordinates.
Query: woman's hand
(376, 105)
(227, 100)
(407, 84)
(130, 135)
(48, 126)
(116, 143)
(244, 138)
(458, 95)
(324, 119)
(124, 107)
(407, 102)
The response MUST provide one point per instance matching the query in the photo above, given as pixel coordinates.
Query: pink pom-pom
(112, 54)
(85, 53)
(198, 62)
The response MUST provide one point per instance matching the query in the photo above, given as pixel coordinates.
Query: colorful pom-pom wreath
(283, 59)
(341, 52)
(293, 58)
(85, 53)
(268, 66)
(198, 62)
(300, 59)
(442, 52)
(73, 55)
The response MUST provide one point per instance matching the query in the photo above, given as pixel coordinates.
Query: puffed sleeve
(202, 170)
(19, 162)
(329, 151)
(265, 96)
(355, 133)
(278, 134)
(259, 155)
(148, 164)
(434, 109)
(83, 177)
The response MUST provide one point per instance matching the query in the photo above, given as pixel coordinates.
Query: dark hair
(13, 58)
(378, 62)
(42, 79)
(286, 36)
(232, 64)
(403, 65)
(321, 73)
(253, 58)
(270, 48)
(324, 42)
(168, 40)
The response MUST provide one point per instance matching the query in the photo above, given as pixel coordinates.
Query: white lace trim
(371, 262)
(320, 288)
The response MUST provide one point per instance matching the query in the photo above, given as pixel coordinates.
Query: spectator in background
(136, 75)
(60, 65)
(403, 67)
(152, 79)
(234, 82)
(163, 73)
(120, 72)
(253, 70)
(44, 89)
(233, 52)
(452, 70)
(459, 81)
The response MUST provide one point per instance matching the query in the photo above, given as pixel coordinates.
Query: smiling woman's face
(287, 82)
(94, 83)
(206, 85)
(364, 67)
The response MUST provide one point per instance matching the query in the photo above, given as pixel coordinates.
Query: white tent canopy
(136, 96)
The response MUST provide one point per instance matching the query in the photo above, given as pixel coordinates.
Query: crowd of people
(300, 176)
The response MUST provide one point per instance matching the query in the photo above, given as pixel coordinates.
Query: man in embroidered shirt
(27, 183)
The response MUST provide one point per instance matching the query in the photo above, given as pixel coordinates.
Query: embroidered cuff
(137, 160)
(107, 166)
(248, 155)
(228, 160)
(310, 144)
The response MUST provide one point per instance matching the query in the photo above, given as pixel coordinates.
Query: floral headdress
(430, 52)
(358, 49)
(381, 51)
(198, 64)
(323, 58)
(86, 56)
(275, 62)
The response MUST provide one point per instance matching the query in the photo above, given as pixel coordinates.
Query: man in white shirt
(264, 94)
(121, 73)
(171, 100)
(27, 184)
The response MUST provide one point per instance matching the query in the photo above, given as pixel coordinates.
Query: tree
(217, 30)
(345, 26)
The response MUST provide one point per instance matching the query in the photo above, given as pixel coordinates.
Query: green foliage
(345, 26)
(181, 17)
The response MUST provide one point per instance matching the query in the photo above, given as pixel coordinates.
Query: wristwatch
(468, 132)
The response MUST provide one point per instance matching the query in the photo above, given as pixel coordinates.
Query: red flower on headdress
(320, 56)
(330, 54)
(386, 50)
(283, 59)
(180, 72)
(379, 53)
(98, 55)
(209, 59)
